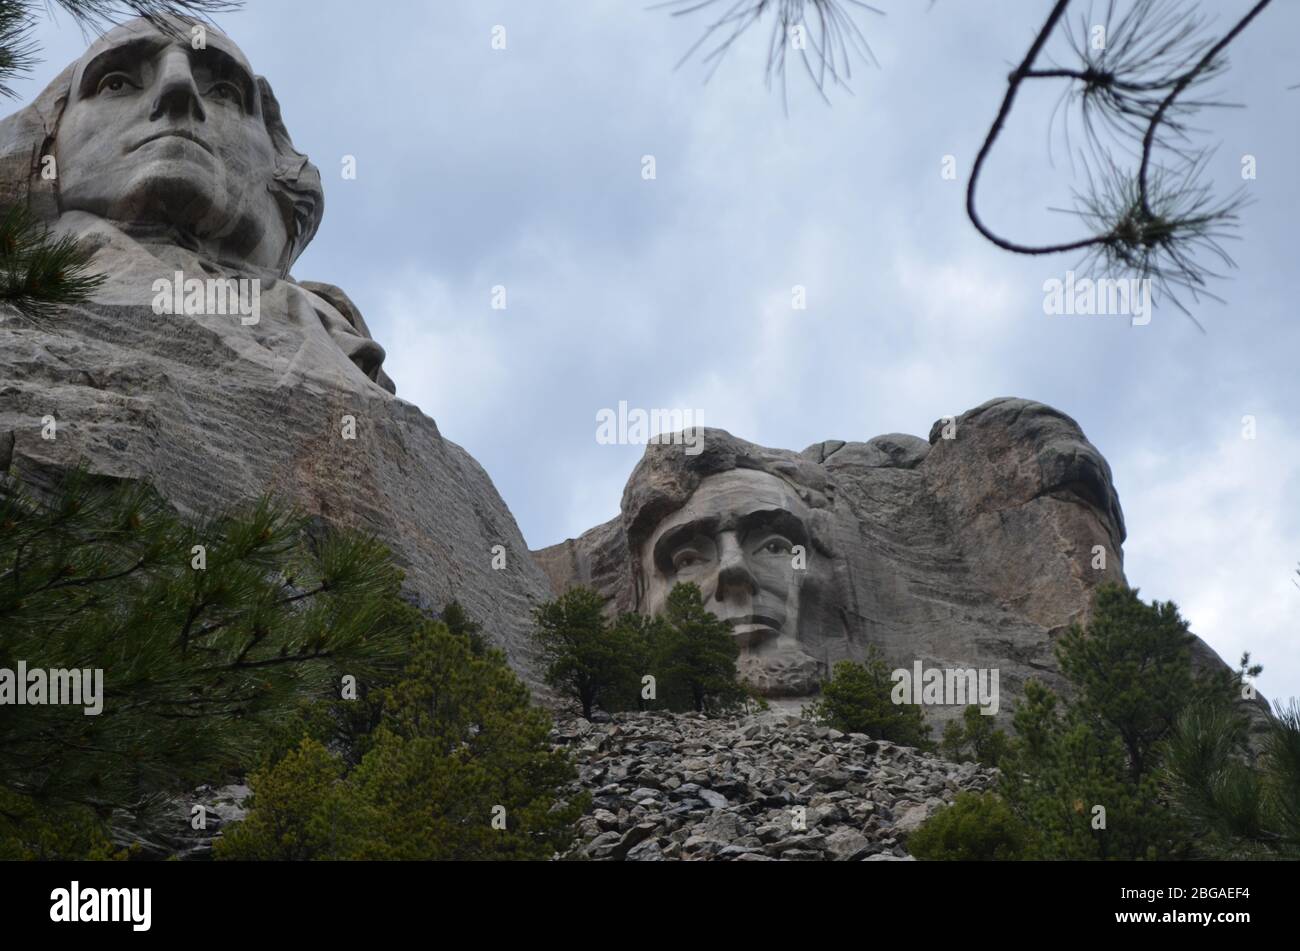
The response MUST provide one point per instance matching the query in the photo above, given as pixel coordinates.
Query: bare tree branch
(1162, 221)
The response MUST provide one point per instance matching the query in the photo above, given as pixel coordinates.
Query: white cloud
(1214, 529)
(450, 368)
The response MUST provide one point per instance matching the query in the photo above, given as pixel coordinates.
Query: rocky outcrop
(183, 829)
(174, 401)
(975, 549)
(201, 364)
(758, 788)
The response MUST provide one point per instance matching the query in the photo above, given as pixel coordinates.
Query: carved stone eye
(686, 559)
(226, 92)
(114, 82)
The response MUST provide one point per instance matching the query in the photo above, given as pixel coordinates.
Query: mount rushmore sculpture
(172, 162)
(974, 549)
(170, 159)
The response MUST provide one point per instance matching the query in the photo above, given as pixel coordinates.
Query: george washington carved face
(157, 135)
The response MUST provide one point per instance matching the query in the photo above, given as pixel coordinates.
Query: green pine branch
(40, 273)
(207, 633)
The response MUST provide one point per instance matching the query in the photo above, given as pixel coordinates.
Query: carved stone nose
(366, 354)
(178, 96)
(733, 571)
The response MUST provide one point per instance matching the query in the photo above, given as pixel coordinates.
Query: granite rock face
(204, 366)
(176, 403)
(178, 182)
(173, 837)
(761, 788)
(975, 549)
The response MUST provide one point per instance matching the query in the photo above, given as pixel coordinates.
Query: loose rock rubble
(682, 786)
(181, 833)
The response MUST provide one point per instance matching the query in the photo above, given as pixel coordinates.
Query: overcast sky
(523, 168)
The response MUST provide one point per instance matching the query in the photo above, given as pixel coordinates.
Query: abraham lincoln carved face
(168, 133)
(746, 539)
(738, 538)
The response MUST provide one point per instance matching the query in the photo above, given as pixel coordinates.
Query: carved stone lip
(754, 620)
(752, 628)
(177, 133)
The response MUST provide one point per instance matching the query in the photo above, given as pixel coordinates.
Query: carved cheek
(234, 163)
(76, 130)
(774, 573)
(706, 576)
(81, 160)
(243, 147)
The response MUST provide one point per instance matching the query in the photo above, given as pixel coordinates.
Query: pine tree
(643, 641)
(977, 827)
(1239, 804)
(974, 738)
(1085, 773)
(461, 768)
(206, 634)
(461, 625)
(41, 832)
(37, 272)
(1131, 669)
(586, 660)
(1136, 94)
(1070, 782)
(858, 699)
(697, 652)
(299, 810)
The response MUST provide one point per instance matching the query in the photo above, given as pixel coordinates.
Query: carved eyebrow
(778, 520)
(121, 56)
(224, 66)
(781, 521)
(127, 54)
(676, 537)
